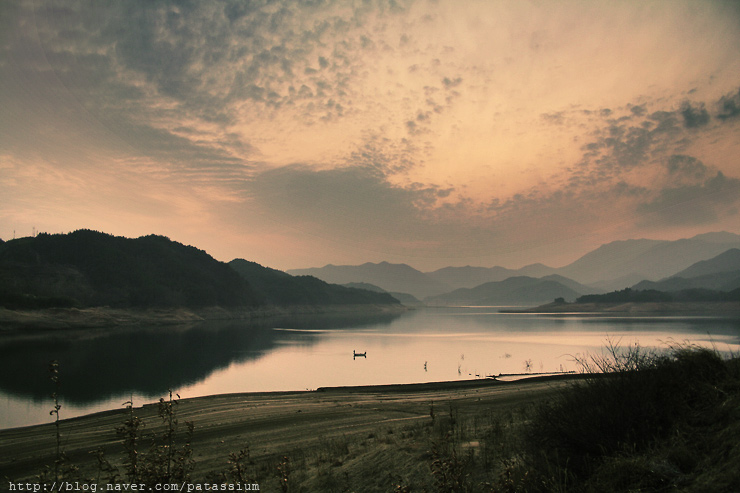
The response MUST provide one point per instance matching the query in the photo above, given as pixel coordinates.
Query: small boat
(355, 354)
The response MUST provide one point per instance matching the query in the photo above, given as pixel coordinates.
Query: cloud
(634, 170)
(638, 110)
(729, 106)
(694, 117)
(352, 202)
(451, 83)
(638, 140)
(428, 125)
(686, 167)
(699, 204)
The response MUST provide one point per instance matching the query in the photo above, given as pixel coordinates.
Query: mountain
(570, 283)
(280, 288)
(724, 262)
(721, 281)
(399, 278)
(405, 298)
(469, 277)
(88, 268)
(615, 265)
(536, 270)
(693, 295)
(520, 289)
(722, 237)
(720, 273)
(624, 263)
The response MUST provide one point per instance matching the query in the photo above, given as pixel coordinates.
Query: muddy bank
(699, 308)
(99, 317)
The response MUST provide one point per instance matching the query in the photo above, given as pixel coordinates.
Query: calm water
(101, 370)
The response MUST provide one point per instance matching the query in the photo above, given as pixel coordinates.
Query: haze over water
(103, 369)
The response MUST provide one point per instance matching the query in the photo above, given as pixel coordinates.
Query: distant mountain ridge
(468, 276)
(720, 273)
(611, 266)
(405, 298)
(724, 262)
(280, 288)
(621, 264)
(518, 289)
(88, 268)
(400, 278)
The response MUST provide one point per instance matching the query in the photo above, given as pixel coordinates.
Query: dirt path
(269, 423)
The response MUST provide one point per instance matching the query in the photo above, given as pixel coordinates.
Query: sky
(428, 132)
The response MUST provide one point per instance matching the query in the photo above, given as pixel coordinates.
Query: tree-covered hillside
(88, 268)
(629, 295)
(280, 288)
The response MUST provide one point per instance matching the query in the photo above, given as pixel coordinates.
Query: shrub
(629, 399)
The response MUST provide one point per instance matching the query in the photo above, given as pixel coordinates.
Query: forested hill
(651, 295)
(87, 268)
(280, 288)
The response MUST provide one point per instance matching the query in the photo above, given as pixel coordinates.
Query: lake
(102, 369)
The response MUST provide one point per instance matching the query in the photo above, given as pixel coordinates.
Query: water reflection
(98, 365)
(102, 369)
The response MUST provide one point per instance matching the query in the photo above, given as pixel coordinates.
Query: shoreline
(272, 423)
(389, 388)
(677, 308)
(106, 317)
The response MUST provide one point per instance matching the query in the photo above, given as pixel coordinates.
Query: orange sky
(433, 133)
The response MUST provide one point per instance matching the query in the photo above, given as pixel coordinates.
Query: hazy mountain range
(400, 278)
(88, 268)
(721, 273)
(612, 266)
(519, 289)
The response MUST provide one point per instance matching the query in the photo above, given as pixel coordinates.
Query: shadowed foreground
(354, 435)
(635, 420)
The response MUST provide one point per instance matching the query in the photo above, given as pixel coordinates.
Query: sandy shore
(269, 423)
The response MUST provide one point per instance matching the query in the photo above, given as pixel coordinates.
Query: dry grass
(641, 421)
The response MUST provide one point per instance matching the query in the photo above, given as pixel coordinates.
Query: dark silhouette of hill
(88, 268)
(280, 288)
(365, 285)
(405, 298)
(519, 289)
(629, 295)
(393, 278)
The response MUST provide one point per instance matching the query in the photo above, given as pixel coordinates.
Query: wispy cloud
(435, 129)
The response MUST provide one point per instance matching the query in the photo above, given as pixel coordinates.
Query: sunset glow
(434, 133)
